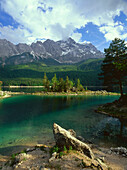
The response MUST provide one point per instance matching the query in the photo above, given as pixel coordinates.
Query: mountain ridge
(62, 51)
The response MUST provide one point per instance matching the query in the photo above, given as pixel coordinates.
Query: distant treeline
(32, 77)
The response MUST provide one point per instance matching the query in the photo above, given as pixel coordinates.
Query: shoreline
(84, 93)
(28, 156)
(109, 114)
(116, 109)
(112, 160)
(118, 116)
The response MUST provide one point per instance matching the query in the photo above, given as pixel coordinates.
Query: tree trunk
(121, 89)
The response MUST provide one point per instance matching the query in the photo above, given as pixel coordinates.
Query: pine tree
(61, 85)
(46, 82)
(54, 83)
(44, 79)
(79, 86)
(68, 84)
(114, 67)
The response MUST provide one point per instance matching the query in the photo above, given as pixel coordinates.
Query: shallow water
(28, 120)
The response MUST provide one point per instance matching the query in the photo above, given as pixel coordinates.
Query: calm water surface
(29, 119)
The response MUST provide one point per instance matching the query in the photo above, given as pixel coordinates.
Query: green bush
(65, 149)
(70, 147)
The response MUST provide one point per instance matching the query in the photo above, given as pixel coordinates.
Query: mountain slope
(61, 51)
(32, 74)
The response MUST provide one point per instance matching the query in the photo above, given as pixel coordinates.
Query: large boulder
(64, 138)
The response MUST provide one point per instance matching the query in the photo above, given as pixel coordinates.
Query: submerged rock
(64, 138)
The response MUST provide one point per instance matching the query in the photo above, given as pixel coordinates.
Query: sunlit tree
(46, 82)
(54, 82)
(114, 67)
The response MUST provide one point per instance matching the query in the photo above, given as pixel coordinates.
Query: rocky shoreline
(117, 109)
(88, 92)
(68, 152)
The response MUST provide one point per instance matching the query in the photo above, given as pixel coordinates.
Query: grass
(61, 151)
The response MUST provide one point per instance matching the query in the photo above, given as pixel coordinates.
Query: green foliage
(70, 147)
(90, 65)
(13, 156)
(79, 86)
(46, 82)
(61, 151)
(32, 74)
(65, 149)
(54, 149)
(68, 84)
(24, 159)
(114, 67)
(61, 154)
(61, 85)
(54, 81)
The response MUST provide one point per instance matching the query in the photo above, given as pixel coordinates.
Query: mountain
(7, 48)
(67, 51)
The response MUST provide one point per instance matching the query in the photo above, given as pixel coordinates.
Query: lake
(28, 120)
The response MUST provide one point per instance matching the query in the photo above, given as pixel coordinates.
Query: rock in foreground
(47, 157)
(64, 138)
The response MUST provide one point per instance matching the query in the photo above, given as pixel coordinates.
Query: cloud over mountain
(43, 19)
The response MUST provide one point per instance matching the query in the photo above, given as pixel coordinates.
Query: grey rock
(21, 48)
(84, 140)
(52, 48)
(119, 151)
(7, 48)
(53, 157)
(63, 138)
(38, 48)
(30, 149)
(72, 132)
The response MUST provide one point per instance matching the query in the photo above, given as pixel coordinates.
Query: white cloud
(15, 35)
(76, 36)
(85, 42)
(112, 31)
(58, 19)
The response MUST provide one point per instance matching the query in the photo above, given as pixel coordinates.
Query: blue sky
(95, 21)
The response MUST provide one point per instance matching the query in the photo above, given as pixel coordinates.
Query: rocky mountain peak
(38, 48)
(64, 51)
(22, 47)
(70, 41)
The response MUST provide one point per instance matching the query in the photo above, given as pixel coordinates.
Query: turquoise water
(26, 120)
